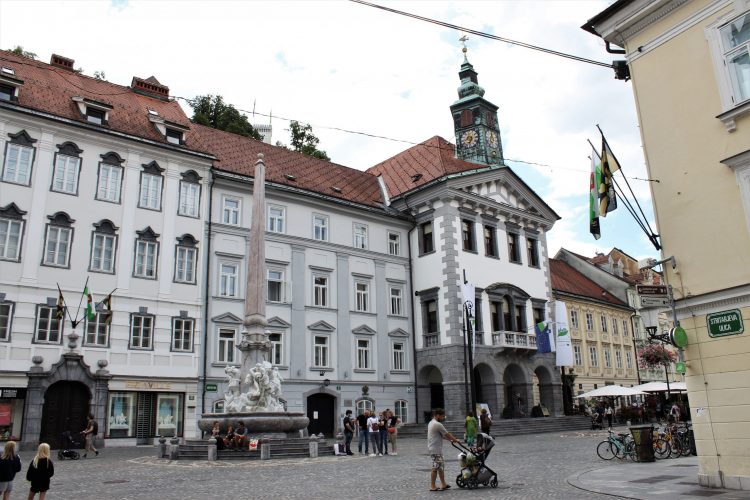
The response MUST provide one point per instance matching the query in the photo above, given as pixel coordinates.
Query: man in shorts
(435, 435)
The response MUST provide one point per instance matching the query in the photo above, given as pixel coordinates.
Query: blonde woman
(10, 463)
(39, 473)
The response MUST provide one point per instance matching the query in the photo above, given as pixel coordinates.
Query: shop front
(11, 412)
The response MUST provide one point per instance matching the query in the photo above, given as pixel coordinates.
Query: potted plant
(655, 356)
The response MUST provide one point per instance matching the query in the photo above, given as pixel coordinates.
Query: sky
(342, 65)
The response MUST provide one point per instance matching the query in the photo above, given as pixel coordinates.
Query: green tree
(212, 111)
(305, 142)
(18, 50)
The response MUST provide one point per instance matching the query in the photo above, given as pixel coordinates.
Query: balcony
(431, 340)
(514, 340)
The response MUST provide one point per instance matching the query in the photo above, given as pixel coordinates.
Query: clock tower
(475, 120)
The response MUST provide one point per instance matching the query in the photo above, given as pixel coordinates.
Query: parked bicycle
(621, 446)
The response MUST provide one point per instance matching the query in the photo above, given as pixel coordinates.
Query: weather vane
(463, 41)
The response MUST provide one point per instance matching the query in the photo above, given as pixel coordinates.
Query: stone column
(212, 452)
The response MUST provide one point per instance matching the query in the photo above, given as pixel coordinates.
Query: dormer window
(9, 84)
(8, 71)
(95, 116)
(7, 92)
(93, 111)
(174, 136)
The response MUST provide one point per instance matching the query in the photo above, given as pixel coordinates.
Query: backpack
(374, 426)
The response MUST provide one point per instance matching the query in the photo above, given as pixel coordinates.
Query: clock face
(469, 138)
(492, 139)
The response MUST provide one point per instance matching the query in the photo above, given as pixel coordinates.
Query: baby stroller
(597, 421)
(474, 470)
(69, 445)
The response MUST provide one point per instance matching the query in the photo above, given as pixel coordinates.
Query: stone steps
(280, 448)
(508, 427)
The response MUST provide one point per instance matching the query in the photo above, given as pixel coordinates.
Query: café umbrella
(611, 391)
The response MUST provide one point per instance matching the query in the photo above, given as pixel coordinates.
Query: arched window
(365, 404)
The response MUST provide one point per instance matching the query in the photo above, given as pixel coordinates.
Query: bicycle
(621, 447)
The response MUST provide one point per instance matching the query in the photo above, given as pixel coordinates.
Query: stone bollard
(174, 449)
(314, 446)
(161, 448)
(212, 453)
(265, 449)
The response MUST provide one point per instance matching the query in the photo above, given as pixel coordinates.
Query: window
(360, 236)
(614, 327)
(490, 241)
(320, 351)
(589, 321)
(426, 243)
(593, 356)
(228, 280)
(19, 158)
(182, 334)
(146, 253)
(58, 240)
(604, 323)
(467, 235)
(48, 325)
(628, 360)
(607, 357)
(67, 165)
(190, 194)
(520, 319)
(185, 259)
(578, 355)
(7, 92)
(431, 330)
(364, 404)
(532, 251)
(624, 327)
(735, 41)
(141, 331)
(399, 356)
(226, 345)
(320, 227)
(11, 230)
(363, 354)
(478, 325)
(276, 216)
(94, 115)
(397, 302)
(275, 285)
(574, 318)
(394, 243)
(174, 136)
(362, 296)
(277, 352)
(230, 213)
(103, 245)
(618, 359)
(97, 330)
(151, 186)
(400, 410)
(320, 291)
(513, 254)
(110, 181)
(6, 315)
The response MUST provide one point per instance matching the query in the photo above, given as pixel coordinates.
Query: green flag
(594, 182)
(90, 314)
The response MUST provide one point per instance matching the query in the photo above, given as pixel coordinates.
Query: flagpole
(64, 307)
(108, 295)
(75, 322)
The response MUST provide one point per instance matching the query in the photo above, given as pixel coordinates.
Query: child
(40, 471)
(471, 425)
(10, 463)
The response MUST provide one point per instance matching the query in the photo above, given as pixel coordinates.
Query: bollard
(161, 448)
(174, 449)
(265, 449)
(212, 453)
(314, 446)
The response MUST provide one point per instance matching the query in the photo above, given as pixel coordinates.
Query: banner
(562, 336)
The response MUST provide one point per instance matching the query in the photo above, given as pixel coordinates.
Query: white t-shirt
(370, 422)
(608, 411)
(435, 433)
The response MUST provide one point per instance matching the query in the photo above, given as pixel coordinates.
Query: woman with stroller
(39, 472)
(90, 432)
(10, 464)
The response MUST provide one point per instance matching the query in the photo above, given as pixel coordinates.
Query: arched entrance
(321, 409)
(544, 387)
(430, 385)
(516, 397)
(485, 386)
(66, 406)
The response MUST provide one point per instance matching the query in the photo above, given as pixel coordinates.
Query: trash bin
(644, 444)
(691, 438)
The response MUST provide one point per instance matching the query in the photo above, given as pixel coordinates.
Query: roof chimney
(150, 87)
(62, 62)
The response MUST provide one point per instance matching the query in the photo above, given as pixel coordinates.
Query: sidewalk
(668, 479)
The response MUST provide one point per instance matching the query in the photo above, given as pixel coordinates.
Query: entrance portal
(66, 408)
(320, 411)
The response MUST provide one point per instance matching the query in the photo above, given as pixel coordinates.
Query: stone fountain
(254, 394)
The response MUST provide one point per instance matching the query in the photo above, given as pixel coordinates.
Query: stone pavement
(529, 467)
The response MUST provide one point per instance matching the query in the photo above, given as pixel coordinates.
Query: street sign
(652, 290)
(679, 367)
(678, 336)
(725, 323)
(211, 387)
(649, 301)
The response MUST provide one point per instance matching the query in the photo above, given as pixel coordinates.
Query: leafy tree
(212, 111)
(18, 50)
(305, 142)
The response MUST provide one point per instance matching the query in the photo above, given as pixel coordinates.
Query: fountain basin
(271, 425)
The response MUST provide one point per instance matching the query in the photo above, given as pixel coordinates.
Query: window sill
(150, 209)
(145, 349)
(400, 372)
(470, 250)
(363, 370)
(64, 192)
(489, 256)
(535, 266)
(46, 264)
(101, 271)
(114, 202)
(398, 316)
(426, 253)
(728, 117)
(517, 262)
(221, 364)
(225, 297)
(366, 313)
(17, 183)
(320, 369)
(189, 216)
(321, 308)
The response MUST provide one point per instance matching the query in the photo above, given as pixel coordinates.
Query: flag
(609, 165)
(594, 181)
(562, 336)
(107, 303)
(60, 314)
(543, 343)
(90, 314)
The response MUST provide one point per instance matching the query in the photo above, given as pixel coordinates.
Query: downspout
(207, 291)
(413, 324)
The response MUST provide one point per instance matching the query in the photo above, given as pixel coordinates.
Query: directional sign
(652, 290)
(648, 301)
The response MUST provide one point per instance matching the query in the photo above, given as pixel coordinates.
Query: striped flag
(90, 314)
(60, 306)
(609, 165)
(594, 182)
(107, 303)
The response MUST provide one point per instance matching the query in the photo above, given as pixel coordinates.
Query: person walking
(485, 421)
(374, 432)
(675, 412)
(89, 433)
(470, 429)
(10, 464)
(39, 472)
(362, 431)
(348, 432)
(608, 415)
(383, 431)
(393, 423)
(436, 432)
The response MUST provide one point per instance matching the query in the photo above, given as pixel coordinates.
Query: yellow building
(689, 61)
(600, 329)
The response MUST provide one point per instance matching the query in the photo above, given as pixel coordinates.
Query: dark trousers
(348, 437)
(383, 441)
(375, 442)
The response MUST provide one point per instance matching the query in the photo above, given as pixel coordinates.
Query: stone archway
(517, 392)
(430, 387)
(485, 386)
(545, 387)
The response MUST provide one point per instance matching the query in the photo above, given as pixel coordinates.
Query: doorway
(321, 412)
(66, 408)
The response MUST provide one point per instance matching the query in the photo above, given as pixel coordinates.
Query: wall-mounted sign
(13, 393)
(725, 323)
(679, 367)
(133, 384)
(211, 388)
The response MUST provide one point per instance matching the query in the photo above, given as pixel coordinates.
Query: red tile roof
(238, 154)
(567, 280)
(51, 89)
(429, 160)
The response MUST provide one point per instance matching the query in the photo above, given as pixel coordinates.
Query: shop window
(121, 421)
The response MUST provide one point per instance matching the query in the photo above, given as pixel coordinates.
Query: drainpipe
(207, 291)
(413, 323)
